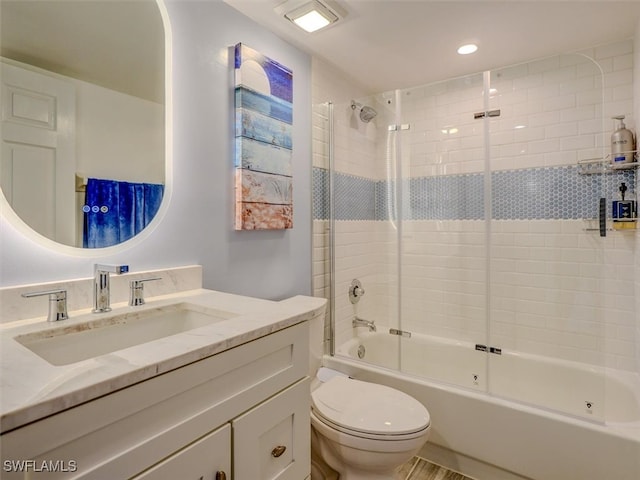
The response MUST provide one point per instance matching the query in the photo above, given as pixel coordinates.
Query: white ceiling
(388, 44)
(383, 44)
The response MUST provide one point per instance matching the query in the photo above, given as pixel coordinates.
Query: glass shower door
(548, 262)
(464, 211)
(443, 255)
(363, 235)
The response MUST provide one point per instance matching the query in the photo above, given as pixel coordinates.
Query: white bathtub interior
(560, 385)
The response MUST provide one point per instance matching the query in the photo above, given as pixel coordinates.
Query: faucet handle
(57, 303)
(136, 291)
(355, 291)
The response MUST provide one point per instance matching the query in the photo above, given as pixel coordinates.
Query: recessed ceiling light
(311, 16)
(467, 49)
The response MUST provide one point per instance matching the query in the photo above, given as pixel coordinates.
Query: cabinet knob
(221, 476)
(279, 450)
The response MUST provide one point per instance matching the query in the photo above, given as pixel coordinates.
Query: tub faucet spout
(359, 322)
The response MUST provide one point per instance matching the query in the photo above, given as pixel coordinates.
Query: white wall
(197, 225)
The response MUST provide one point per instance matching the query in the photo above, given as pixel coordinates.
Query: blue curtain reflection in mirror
(115, 211)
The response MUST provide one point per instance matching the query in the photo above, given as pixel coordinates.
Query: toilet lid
(368, 407)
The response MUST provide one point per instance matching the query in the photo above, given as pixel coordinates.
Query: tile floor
(419, 469)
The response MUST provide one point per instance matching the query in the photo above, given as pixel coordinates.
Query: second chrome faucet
(101, 289)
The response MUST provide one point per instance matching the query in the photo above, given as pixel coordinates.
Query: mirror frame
(22, 228)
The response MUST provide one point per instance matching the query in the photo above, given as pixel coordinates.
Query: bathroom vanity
(228, 399)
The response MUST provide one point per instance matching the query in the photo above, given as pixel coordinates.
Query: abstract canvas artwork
(263, 116)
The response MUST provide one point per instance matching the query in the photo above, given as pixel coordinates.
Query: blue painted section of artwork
(255, 126)
(537, 193)
(280, 80)
(262, 157)
(280, 77)
(270, 106)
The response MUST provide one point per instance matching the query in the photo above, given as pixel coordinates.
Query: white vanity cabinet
(242, 414)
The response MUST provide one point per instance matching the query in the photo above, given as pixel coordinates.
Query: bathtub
(532, 417)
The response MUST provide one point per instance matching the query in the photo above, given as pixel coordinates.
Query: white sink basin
(73, 343)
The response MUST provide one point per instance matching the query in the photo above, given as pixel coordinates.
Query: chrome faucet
(57, 303)
(136, 291)
(101, 290)
(359, 322)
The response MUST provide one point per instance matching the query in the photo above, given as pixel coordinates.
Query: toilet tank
(316, 342)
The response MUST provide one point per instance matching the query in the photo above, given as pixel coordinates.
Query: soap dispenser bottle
(622, 143)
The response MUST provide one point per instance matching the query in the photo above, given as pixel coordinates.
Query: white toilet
(362, 430)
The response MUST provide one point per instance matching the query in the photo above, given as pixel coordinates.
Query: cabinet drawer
(201, 460)
(275, 435)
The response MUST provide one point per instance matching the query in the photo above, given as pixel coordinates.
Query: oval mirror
(83, 117)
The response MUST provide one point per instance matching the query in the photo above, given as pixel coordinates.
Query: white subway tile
(561, 130)
(559, 102)
(614, 50)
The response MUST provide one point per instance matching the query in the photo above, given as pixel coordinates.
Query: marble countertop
(31, 388)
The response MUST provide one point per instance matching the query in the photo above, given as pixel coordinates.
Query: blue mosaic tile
(536, 193)
(446, 197)
(386, 196)
(553, 193)
(355, 198)
(320, 192)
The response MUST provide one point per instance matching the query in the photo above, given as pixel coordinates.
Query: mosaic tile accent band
(528, 194)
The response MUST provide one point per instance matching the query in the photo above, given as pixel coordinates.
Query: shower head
(366, 113)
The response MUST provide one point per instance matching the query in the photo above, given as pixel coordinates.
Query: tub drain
(361, 351)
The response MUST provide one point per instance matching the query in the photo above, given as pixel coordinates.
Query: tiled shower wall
(554, 288)
(355, 150)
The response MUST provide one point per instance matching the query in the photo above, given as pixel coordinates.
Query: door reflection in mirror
(95, 110)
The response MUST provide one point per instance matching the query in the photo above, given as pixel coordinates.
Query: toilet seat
(369, 410)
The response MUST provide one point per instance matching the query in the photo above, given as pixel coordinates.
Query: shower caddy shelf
(598, 166)
(594, 166)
